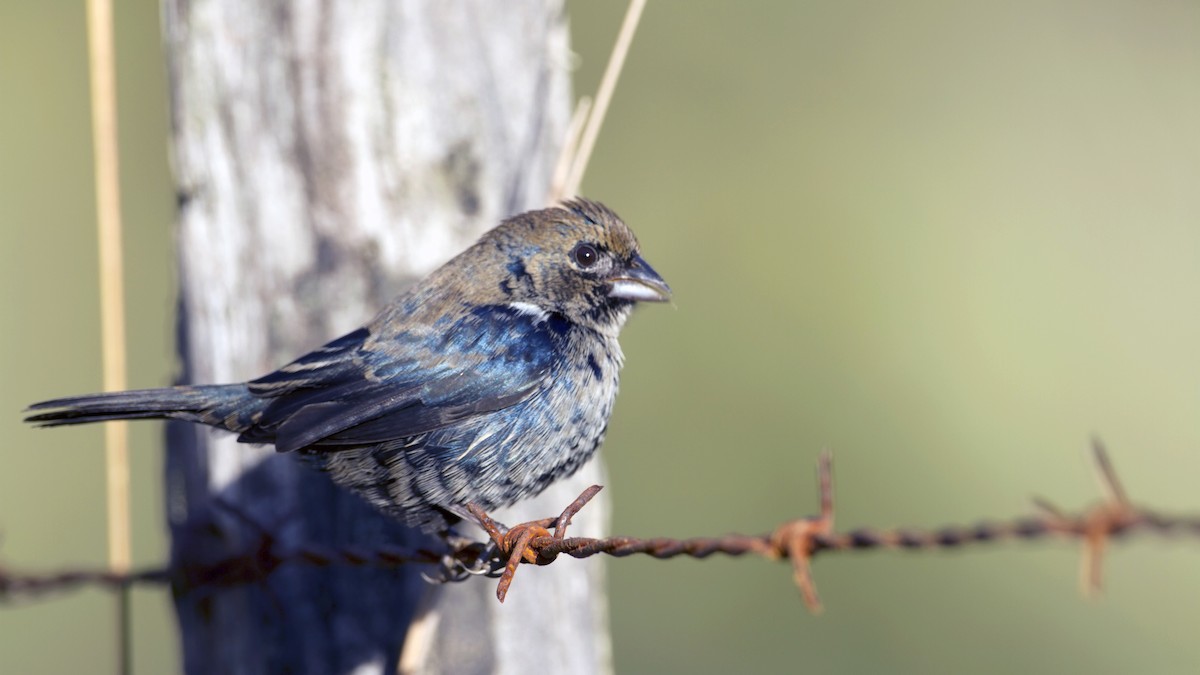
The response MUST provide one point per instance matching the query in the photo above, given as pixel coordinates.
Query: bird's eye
(585, 255)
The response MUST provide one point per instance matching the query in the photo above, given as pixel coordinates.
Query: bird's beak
(638, 282)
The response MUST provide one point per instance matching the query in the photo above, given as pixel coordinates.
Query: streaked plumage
(484, 383)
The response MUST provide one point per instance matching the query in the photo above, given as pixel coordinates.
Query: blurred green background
(949, 241)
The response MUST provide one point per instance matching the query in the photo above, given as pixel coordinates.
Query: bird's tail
(228, 406)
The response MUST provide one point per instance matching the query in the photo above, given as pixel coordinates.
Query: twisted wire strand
(796, 540)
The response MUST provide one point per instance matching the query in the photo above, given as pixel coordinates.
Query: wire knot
(798, 540)
(529, 542)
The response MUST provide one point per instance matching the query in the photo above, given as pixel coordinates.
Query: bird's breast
(568, 419)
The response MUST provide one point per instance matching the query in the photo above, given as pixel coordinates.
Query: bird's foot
(529, 542)
(464, 559)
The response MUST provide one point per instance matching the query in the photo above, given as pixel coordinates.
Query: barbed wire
(797, 541)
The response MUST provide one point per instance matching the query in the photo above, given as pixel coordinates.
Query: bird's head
(578, 260)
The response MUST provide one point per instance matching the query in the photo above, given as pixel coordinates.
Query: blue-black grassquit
(483, 383)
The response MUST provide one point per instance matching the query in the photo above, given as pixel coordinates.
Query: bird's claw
(465, 560)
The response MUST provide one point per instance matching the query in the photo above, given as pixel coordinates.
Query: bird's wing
(410, 384)
(319, 368)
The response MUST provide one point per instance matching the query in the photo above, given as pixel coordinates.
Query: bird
(481, 384)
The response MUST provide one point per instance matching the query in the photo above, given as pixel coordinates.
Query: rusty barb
(798, 541)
